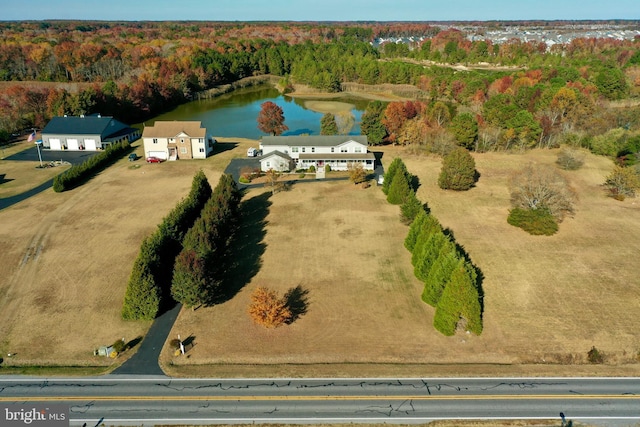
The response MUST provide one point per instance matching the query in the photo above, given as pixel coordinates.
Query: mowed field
(548, 299)
(67, 258)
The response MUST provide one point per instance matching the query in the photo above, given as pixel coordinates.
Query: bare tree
(345, 122)
(542, 187)
(272, 180)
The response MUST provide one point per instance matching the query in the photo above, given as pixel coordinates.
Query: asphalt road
(127, 401)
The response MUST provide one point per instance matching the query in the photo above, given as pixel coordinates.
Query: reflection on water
(235, 114)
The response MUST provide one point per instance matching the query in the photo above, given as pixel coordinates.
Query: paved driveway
(73, 157)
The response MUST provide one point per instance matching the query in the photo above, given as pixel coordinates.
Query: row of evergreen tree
(451, 281)
(148, 290)
(199, 268)
(78, 174)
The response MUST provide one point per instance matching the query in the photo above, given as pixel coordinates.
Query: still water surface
(235, 114)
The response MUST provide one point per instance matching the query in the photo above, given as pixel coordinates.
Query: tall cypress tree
(440, 273)
(460, 302)
(396, 164)
(414, 230)
(399, 189)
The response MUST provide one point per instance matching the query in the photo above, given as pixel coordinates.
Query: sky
(318, 10)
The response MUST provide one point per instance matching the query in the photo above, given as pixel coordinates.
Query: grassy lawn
(67, 258)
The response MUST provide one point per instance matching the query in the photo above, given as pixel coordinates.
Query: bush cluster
(538, 222)
(149, 283)
(78, 174)
(458, 171)
(451, 281)
(198, 271)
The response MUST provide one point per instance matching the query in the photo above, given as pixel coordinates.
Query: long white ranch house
(283, 153)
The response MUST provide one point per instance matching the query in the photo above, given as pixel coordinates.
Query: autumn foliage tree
(268, 309)
(271, 119)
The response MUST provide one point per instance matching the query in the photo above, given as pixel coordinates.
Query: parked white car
(252, 152)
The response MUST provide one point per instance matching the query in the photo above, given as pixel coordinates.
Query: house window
(172, 140)
(294, 149)
(181, 140)
(344, 150)
(183, 150)
(201, 149)
(155, 140)
(268, 164)
(333, 149)
(357, 150)
(313, 149)
(303, 149)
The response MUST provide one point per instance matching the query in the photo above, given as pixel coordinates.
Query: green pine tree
(410, 208)
(429, 255)
(414, 230)
(399, 189)
(460, 302)
(458, 171)
(328, 125)
(142, 298)
(440, 273)
(396, 164)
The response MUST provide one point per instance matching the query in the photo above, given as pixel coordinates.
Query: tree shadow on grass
(297, 301)
(244, 255)
(134, 342)
(3, 178)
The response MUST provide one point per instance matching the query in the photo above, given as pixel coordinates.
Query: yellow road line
(318, 398)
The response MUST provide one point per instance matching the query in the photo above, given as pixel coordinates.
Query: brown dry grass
(549, 299)
(67, 258)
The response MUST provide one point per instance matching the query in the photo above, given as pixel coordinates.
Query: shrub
(118, 346)
(244, 180)
(542, 187)
(77, 174)
(267, 309)
(458, 171)
(595, 356)
(570, 159)
(622, 182)
(327, 168)
(312, 169)
(534, 221)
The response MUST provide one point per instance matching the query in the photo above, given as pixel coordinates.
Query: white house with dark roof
(173, 140)
(89, 133)
(302, 152)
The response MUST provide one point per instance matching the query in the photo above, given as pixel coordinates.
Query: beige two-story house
(173, 140)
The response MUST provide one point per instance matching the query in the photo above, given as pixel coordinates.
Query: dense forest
(498, 96)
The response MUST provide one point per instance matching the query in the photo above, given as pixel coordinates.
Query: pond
(235, 114)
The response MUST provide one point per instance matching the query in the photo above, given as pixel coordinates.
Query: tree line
(452, 284)
(134, 71)
(149, 287)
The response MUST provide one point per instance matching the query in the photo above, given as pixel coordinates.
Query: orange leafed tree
(268, 309)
